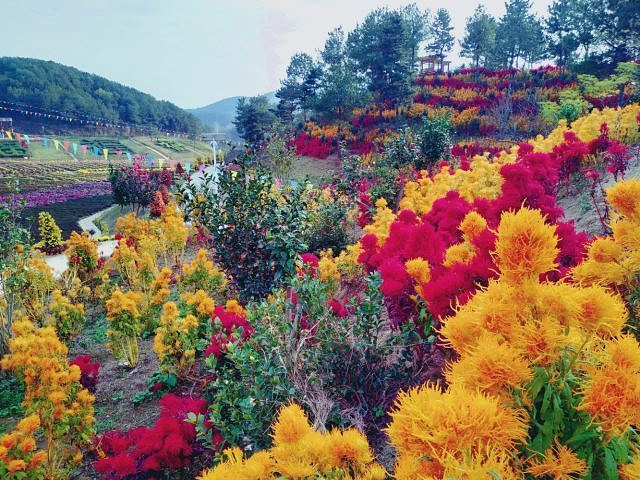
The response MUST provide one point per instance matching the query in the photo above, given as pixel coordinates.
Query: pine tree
(561, 32)
(441, 28)
(254, 119)
(480, 36)
(518, 36)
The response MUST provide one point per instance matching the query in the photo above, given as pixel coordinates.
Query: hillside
(54, 87)
(219, 115)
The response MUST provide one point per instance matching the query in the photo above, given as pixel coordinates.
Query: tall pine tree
(479, 39)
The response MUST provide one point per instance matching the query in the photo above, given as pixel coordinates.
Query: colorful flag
(45, 142)
(56, 144)
(129, 158)
(74, 147)
(66, 144)
(105, 152)
(27, 139)
(150, 160)
(84, 150)
(160, 162)
(96, 152)
(9, 135)
(187, 167)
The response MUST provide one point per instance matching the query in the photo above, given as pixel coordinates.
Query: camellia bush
(256, 229)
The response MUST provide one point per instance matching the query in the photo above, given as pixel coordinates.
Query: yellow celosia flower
(348, 448)
(492, 367)
(233, 306)
(624, 197)
(631, 471)
(418, 269)
(292, 424)
(472, 225)
(429, 422)
(526, 246)
(459, 253)
(484, 465)
(328, 270)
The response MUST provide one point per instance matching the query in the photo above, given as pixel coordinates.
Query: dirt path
(580, 208)
(150, 148)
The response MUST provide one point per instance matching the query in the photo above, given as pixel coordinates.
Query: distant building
(207, 137)
(434, 63)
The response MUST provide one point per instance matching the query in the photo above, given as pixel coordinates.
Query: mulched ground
(66, 214)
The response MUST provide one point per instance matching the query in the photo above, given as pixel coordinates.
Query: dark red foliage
(146, 451)
(309, 146)
(89, 371)
(158, 205)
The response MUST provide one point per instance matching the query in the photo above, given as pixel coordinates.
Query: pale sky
(193, 52)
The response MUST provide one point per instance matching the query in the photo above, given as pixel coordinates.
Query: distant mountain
(219, 115)
(54, 87)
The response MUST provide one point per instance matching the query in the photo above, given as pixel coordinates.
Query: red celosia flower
(337, 308)
(89, 371)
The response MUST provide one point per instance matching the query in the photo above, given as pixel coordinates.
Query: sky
(194, 52)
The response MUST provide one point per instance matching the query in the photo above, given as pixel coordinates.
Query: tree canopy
(52, 86)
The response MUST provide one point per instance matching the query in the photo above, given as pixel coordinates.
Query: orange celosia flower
(611, 393)
(625, 198)
(560, 463)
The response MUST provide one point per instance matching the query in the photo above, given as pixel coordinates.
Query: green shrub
(256, 230)
(435, 140)
(50, 234)
(346, 370)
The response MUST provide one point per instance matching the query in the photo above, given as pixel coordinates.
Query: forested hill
(52, 86)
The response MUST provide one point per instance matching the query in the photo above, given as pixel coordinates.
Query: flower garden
(429, 313)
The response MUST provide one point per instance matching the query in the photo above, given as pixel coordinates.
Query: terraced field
(38, 175)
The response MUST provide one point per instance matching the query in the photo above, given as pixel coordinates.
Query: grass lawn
(318, 170)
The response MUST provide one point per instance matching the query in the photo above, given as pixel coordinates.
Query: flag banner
(66, 145)
(56, 144)
(45, 142)
(18, 136)
(27, 139)
(129, 158)
(105, 152)
(149, 160)
(74, 147)
(84, 150)
(118, 153)
(187, 167)
(160, 162)
(96, 152)
(9, 135)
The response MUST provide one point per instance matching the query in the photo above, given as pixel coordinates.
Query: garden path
(59, 263)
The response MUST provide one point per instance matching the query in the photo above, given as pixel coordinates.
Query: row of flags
(9, 107)
(75, 147)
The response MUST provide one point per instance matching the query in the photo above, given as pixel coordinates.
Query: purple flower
(41, 198)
